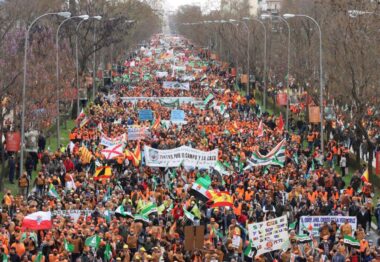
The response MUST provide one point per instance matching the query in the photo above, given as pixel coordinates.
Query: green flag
(38, 258)
(93, 241)
(148, 209)
(68, 246)
(52, 192)
(195, 210)
(5, 258)
(351, 241)
(188, 214)
(108, 253)
(208, 99)
(248, 250)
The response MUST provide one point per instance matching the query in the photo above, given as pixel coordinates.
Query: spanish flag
(221, 199)
(128, 154)
(85, 155)
(365, 176)
(102, 172)
(137, 155)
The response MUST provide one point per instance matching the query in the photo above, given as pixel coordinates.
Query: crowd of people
(138, 212)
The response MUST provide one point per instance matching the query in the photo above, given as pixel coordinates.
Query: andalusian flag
(103, 172)
(141, 218)
(303, 239)
(120, 211)
(200, 188)
(53, 192)
(149, 208)
(365, 176)
(275, 157)
(93, 241)
(68, 246)
(220, 168)
(108, 252)
(351, 241)
(188, 214)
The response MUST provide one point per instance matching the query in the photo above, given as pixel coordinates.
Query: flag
(220, 168)
(200, 187)
(137, 155)
(292, 226)
(84, 122)
(208, 99)
(39, 257)
(260, 129)
(37, 221)
(195, 210)
(156, 123)
(365, 176)
(280, 124)
(53, 192)
(352, 242)
(5, 258)
(70, 185)
(85, 155)
(68, 246)
(149, 208)
(128, 154)
(188, 214)
(93, 241)
(142, 218)
(120, 210)
(112, 152)
(303, 239)
(248, 252)
(102, 172)
(81, 115)
(221, 199)
(275, 157)
(108, 253)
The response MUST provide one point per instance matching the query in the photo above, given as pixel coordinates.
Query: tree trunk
(2, 155)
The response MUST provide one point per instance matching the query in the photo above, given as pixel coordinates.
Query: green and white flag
(108, 253)
(292, 226)
(304, 239)
(93, 241)
(275, 157)
(195, 210)
(248, 252)
(5, 258)
(200, 187)
(188, 214)
(208, 99)
(68, 246)
(38, 258)
(52, 192)
(148, 209)
(120, 210)
(220, 168)
(139, 217)
(351, 241)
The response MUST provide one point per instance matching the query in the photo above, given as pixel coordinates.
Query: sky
(172, 5)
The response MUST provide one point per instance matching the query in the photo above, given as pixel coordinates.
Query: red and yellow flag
(137, 155)
(221, 199)
(103, 172)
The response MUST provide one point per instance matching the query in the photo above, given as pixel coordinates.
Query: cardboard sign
(194, 237)
(145, 114)
(177, 115)
(13, 141)
(314, 114)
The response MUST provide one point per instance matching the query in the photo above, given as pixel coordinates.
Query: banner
(138, 133)
(314, 114)
(314, 223)
(108, 141)
(269, 235)
(181, 99)
(160, 74)
(146, 114)
(172, 104)
(177, 115)
(185, 155)
(176, 85)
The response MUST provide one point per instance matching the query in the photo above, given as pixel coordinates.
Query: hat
(125, 246)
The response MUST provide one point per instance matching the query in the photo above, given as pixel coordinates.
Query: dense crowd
(136, 212)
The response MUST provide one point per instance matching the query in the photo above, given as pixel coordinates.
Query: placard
(282, 99)
(184, 155)
(314, 223)
(176, 85)
(314, 114)
(177, 115)
(378, 163)
(13, 141)
(138, 133)
(269, 235)
(146, 114)
(108, 141)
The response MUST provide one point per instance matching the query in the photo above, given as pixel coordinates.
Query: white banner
(176, 85)
(314, 223)
(107, 141)
(269, 235)
(181, 99)
(161, 74)
(138, 133)
(184, 155)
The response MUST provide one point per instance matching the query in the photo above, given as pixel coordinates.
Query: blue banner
(146, 114)
(177, 115)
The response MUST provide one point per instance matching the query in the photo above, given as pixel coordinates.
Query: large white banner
(161, 74)
(176, 85)
(138, 133)
(269, 235)
(181, 99)
(314, 223)
(184, 155)
(108, 141)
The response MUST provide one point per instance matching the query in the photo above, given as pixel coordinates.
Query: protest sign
(146, 114)
(138, 133)
(185, 155)
(161, 74)
(313, 223)
(177, 115)
(172, 104)
(269, 235)
(181, 99)
(108, 141)
(176, 85)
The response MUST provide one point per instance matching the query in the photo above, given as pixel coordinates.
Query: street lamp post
(236, 26)
(63, 14)
(248, 53)
(265, 58)
(321, 84)
(288, 66)
(77, 58)
(83, 17)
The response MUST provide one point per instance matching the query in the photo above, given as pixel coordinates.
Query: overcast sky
(205, 4)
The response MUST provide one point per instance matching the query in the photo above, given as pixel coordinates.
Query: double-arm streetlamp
(83, 17)
(321, 84)
(62, 14)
